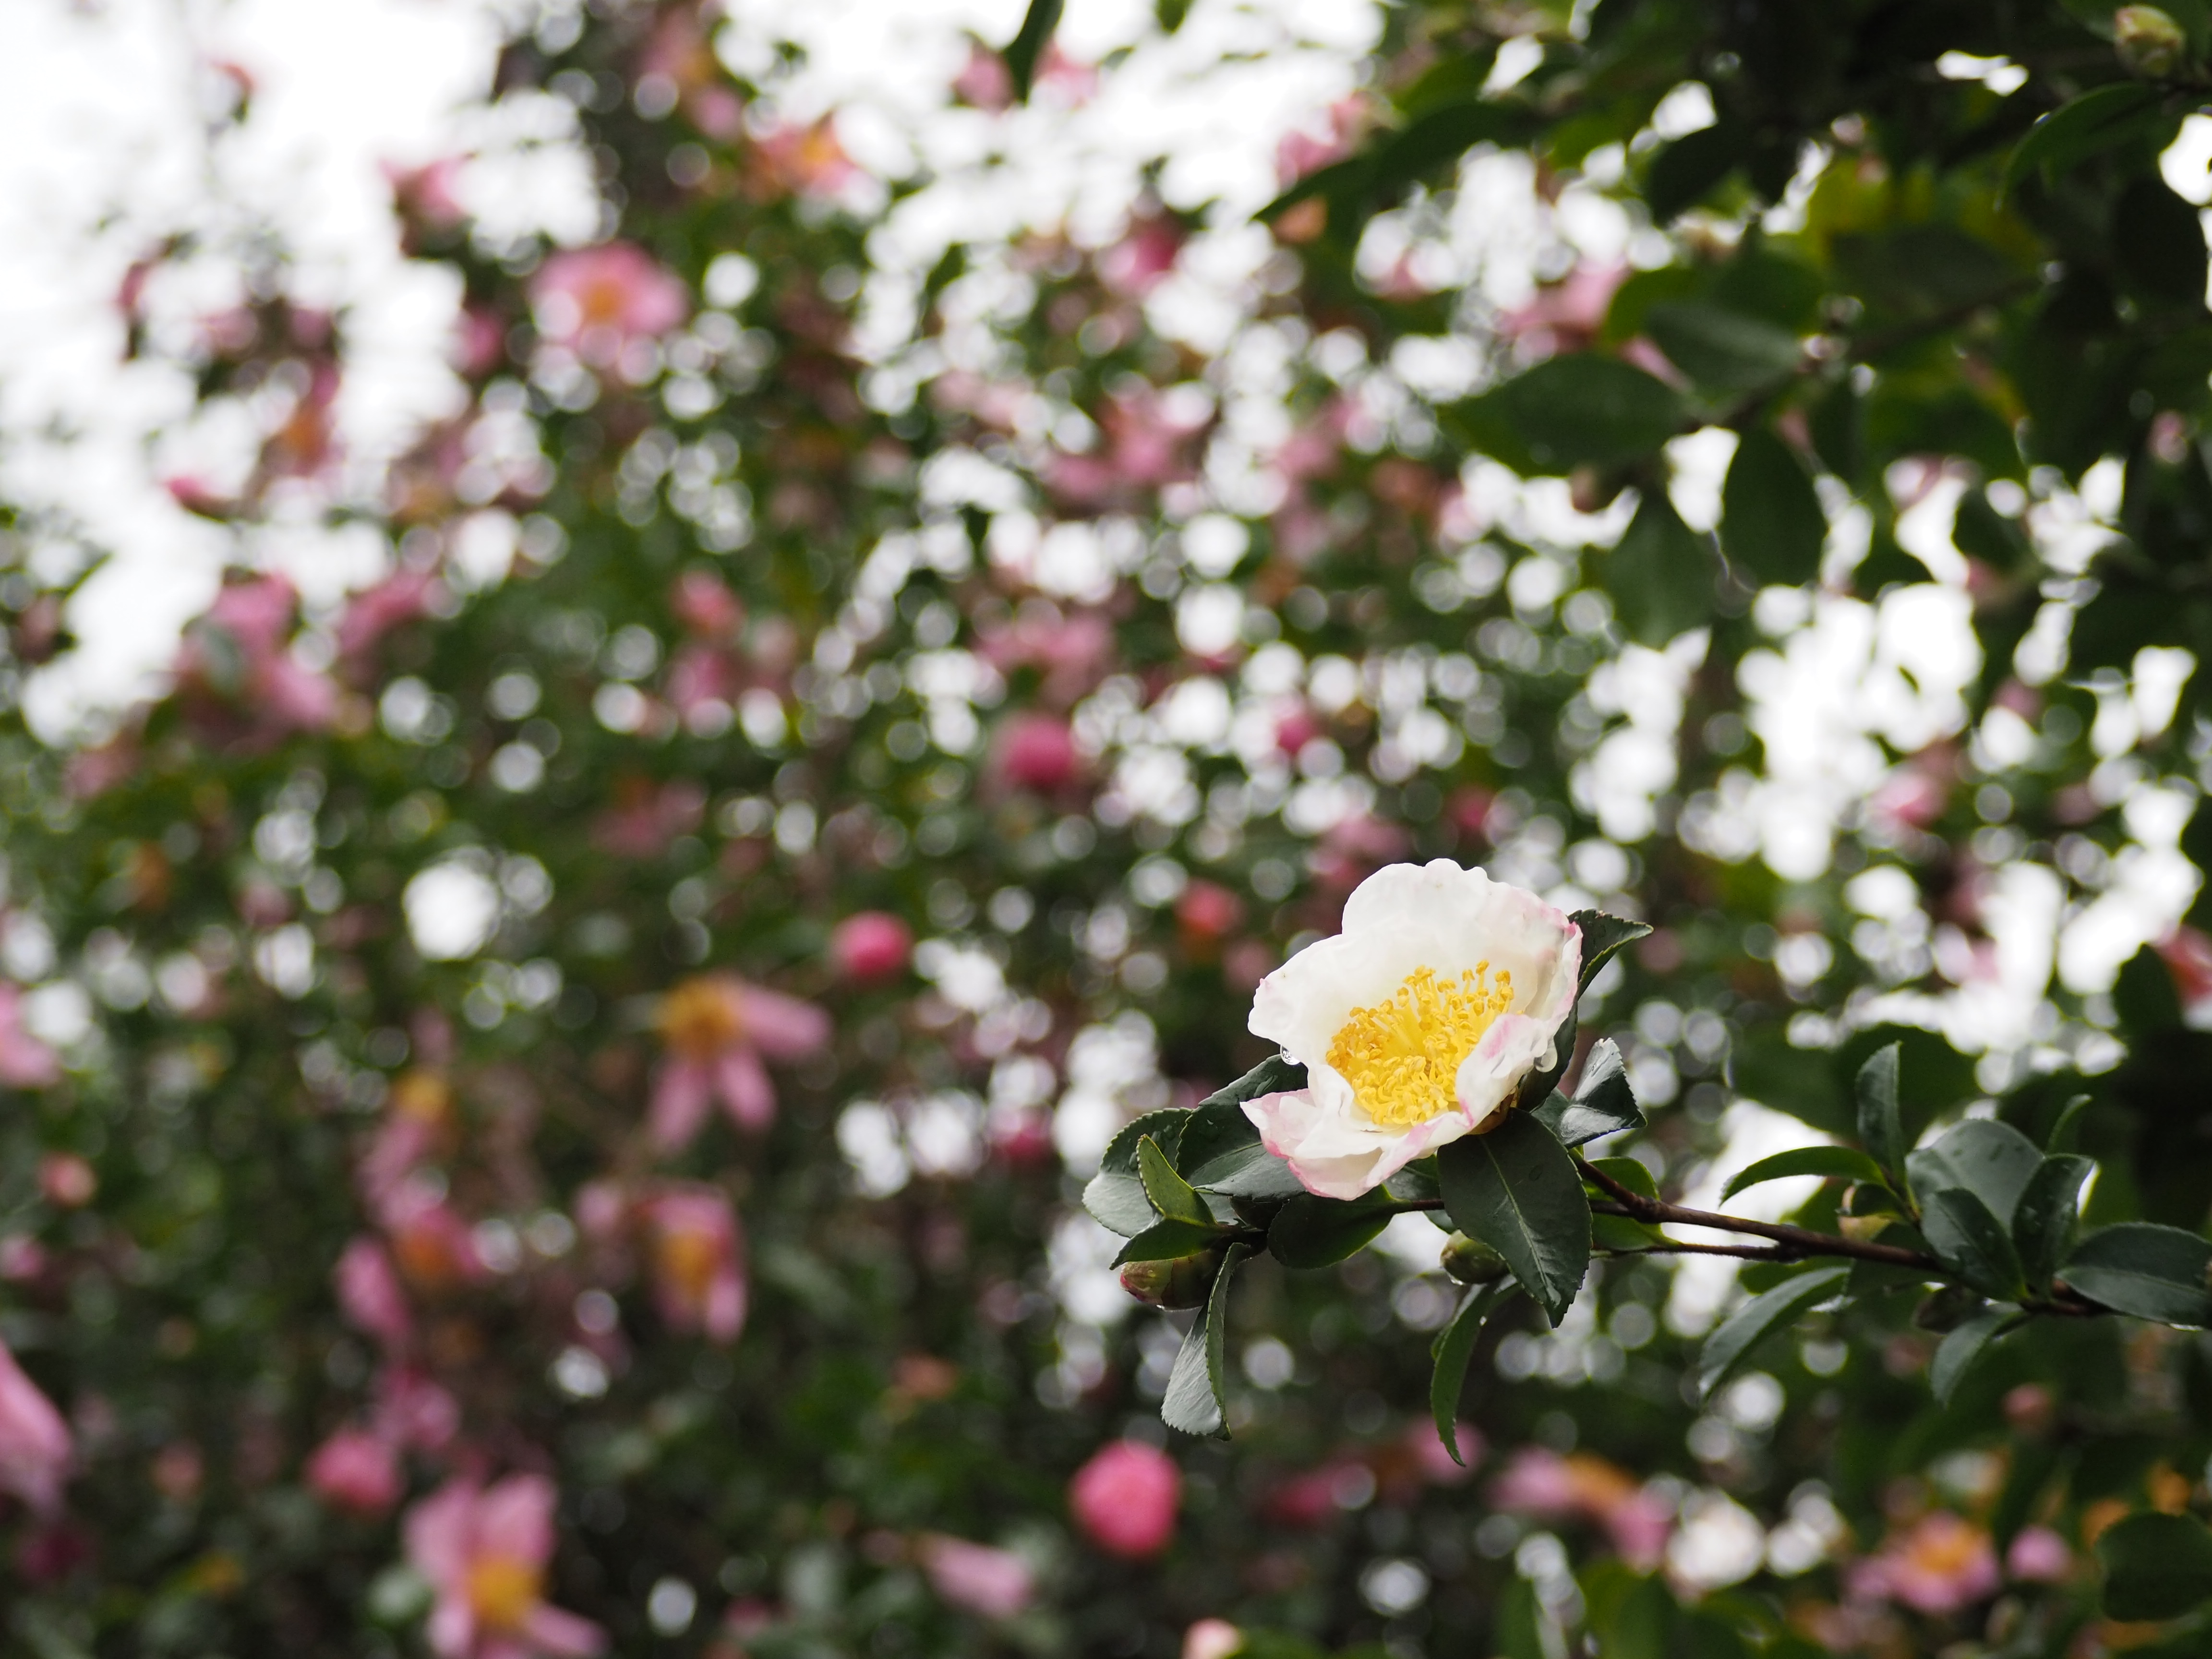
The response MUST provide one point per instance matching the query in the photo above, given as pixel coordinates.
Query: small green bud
(2149, 42)
(1183, 1283)
(1471, 1261)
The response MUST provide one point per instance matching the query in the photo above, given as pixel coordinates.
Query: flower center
(1401, 1055)
(699, 1019)
(688, 1257)
(502, 1590)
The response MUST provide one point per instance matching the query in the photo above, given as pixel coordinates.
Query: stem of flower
(1793, 1243)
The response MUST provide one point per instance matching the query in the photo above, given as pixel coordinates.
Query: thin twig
(1796, 1242)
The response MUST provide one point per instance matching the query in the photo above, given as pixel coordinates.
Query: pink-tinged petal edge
(681, 1096)
(742, 1083)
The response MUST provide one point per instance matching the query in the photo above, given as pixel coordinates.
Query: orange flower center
(699, 1018)
(422, 1095)
(686, 1257)
(1944, 1547)
(501, 1591)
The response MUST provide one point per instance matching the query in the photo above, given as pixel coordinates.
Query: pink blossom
(237, 650)
(1037, 753)
(1435, 1463)
(1212, 1638)
(1941, 1565)
(1541, 1484)
(806, 160)
(1303, 152)
(1124, 1500)
(983, 80)
(698, 674)
(66, 1181)
(717, 1028)
(871, 947)
(434, 1247)
(975, 1578)
(2188, 954)
(644, 819)
(698, 1275)
(356, 1470)
(369, 1294)
(596, 300)
(1072, 653)
(484, 1550)
(1137, 263)
(2040, 1556)
(25, 1062)
(375, 611)
(1565, 316)
(35, 1443)
(22, 1259)
(1913, 796)
(413, 1411)
(1206, 911)
(703, 602)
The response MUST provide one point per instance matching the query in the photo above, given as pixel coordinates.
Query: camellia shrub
(1460, 919)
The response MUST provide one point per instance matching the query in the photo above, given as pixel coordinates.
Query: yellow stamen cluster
(501, 1591)
(699, 1019)
(1401, 1055)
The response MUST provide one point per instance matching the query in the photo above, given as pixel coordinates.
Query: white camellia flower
(1415, 1024)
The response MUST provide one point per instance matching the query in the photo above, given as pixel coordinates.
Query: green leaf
(1660, 574)
(1516, 1189)
(1603, 1103)
(1116, 1195)
(1026, 50)
(2156, 1566)
(1582, 410)
(1197, 1400)
(2142, 1268)
(1837, 1163)
(1990, 1159)
(1722, 349)
(1169, 1240)
(1601, 936)
(1771, 525)
(1956, 1353)
(1455, 1349)
(1684, 172)
(1969, 1239)
(2099, 119)
(2043, 1223)
(1437, 135)
(1881, 1130)
(1312, 1231)
(1727, 1348)
(1221, 1150)
(2066, 1132)
(1171, 1194)
(1620, 1232)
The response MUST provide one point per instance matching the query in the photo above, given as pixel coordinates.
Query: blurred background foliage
(1088, 663)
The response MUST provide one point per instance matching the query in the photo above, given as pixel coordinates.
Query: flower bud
(2149, 42)
(1181, 1284)
(871, 947)
(1471, 1261)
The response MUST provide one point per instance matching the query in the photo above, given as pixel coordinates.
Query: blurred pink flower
(484, 1551)
(237, 650)
(2040, 1556)
(871, 947)
(717, 1029)
(703, 602)
(25, 1062)
(698, 1273)
(1435, 1463)
(433, 1246)
(1136, 264)
(66, 1181)
(1303, 152)
(1212, 1638)
(1565, 315)
(369, 1294)
(983, 80)
(35, 1443)
(975, 1578)
(356, 1470)
(413, 1411)
(1941, 1563)
(1124, 1500)
(596, 300)
(1072, 653)
(2188, 954)
(698, 674)
(645, 819)
(1544, 1485)
(805, 161)
(376, 610)
(1145, 442)
(1037, 753)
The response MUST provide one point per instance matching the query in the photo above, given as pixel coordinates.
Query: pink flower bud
(871, 947)
(369, 1293)
(67, 1180)
(356, 1470)
(1037, 752)
(996, 1583)
(1124, 1498)
(1206, 911)
(2040, 1556)
(1212, 1638)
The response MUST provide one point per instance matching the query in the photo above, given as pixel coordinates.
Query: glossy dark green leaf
(1959, 1350)
(1602, 1103)
(1968, 1238)
(1580, 409)
(1437, 135)
(1455, 1348)
(1221, 1151)
(2156, 1566)
(1602, 935)
(1771, 527)
(1683, 173)
(1990, 1159)
(1026, 50)
(1272, 1075)
(1171, 1194)
(1197, 1399)
(2100, 120)
(2142, 1268)
(2066, 1131)
(2044, 1221)
(1881, 1130)
(1116, 1195)
(1661, 574)
(1310, 1231)
(1728, 1348)
(1835, 1163)
(1516, 1189)
(1169, 1240)
(1723, 350)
